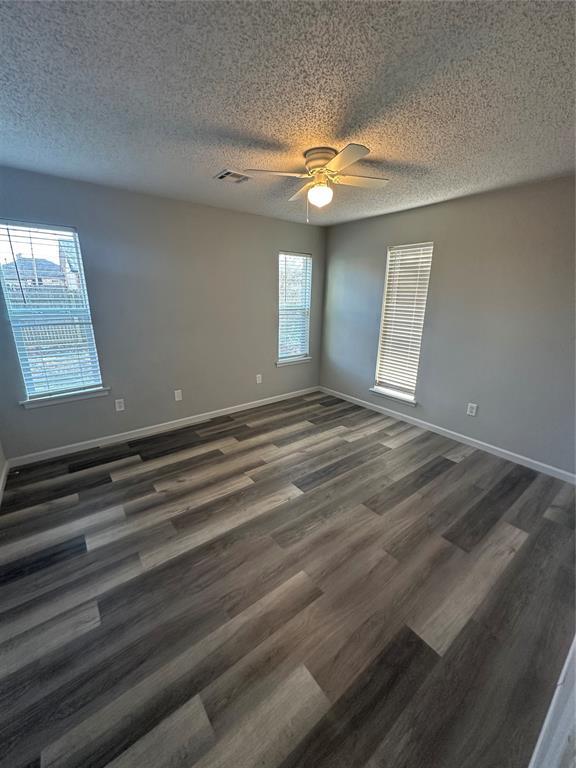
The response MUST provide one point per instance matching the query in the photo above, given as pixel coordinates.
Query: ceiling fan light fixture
(320, 194)
(324, 168)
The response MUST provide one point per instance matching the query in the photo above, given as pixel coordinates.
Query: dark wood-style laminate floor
(307, 584)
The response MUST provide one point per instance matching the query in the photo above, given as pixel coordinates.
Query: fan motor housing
(318, 157)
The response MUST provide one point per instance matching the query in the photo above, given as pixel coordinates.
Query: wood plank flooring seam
(305, 584)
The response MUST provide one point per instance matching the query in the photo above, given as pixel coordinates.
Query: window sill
(68, 397)
(393, 394)
(293, 361)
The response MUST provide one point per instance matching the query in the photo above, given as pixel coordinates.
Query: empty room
(287, 387)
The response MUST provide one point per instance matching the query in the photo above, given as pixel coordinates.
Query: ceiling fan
(324, 166)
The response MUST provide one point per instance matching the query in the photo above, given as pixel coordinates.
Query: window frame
(402, 396)
(295, 359)
(62, 396)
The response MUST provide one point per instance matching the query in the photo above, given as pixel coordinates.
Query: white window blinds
(294, 296)
(403, 307)
(42, 280)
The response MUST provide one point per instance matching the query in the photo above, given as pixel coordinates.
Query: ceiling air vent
(232, 176)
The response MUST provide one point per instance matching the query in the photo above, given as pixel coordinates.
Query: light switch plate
(177, 394)
(472, 409)
(119, 404)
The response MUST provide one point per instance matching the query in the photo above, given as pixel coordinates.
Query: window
(43, 283)
(294, 296)
(403, 307)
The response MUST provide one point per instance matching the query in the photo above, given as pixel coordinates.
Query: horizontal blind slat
(403, 311)
(43, 283)
(294, 299)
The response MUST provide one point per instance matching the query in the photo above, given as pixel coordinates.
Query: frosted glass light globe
(320, 195)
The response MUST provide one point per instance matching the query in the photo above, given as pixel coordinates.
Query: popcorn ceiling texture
(452, 98)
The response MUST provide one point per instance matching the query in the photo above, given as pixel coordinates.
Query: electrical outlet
(119, 404)
(177, 394)
(472, 409)
(258, 378)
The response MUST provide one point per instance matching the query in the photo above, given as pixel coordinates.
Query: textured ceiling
(452, 98)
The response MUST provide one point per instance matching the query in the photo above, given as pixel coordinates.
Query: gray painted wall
(183, 297)
(499, 328)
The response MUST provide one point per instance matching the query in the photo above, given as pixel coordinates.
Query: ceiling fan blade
(350, 154)
(259, 171)
(367, 182)
(301, 192)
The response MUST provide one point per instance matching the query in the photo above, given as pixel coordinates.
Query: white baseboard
(167, 426)
(557, 735)
(155, 429)
(517, 458)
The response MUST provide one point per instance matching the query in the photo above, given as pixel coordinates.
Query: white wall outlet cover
(177, 394)
(472, 409)
(258, 378)
(119, 404)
